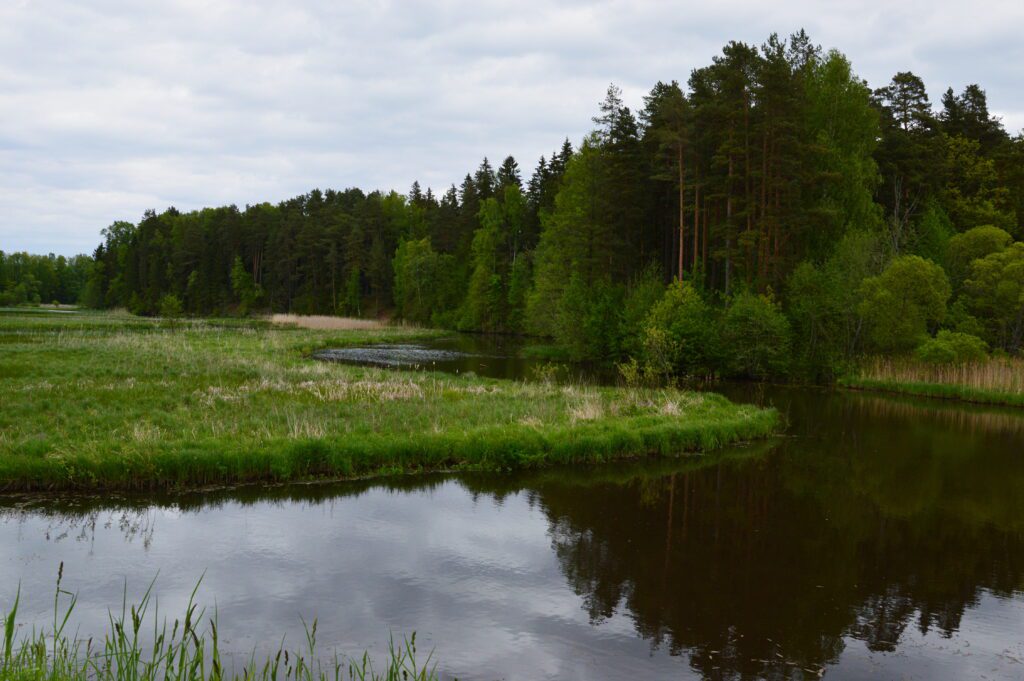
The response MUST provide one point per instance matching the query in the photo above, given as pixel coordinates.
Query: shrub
(900, 304)
(963, 249)
(951, 347)
(679, 334)
(757, 337)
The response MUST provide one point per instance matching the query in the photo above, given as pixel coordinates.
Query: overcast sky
(110, 108)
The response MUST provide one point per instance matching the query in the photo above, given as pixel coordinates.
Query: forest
(774, 216)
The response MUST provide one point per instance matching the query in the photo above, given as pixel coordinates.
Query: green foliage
(972, 194)
(247, 291)
(821, 303)
(588, 320)
(27, 279)
(680, 334)
(643, 294)
(284, 422)
(418, 280)
(899, 305)
(757, 337)
(353, 300)
(951, 347)
(994, 292)
(965, 248)
(932, 235)
(518, 292)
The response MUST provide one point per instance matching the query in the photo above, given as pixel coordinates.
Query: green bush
(679, 336)
(757, 338)
(901, 304)
(951, 347)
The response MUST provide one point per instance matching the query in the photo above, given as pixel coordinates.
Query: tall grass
(93, 401)
(139, 646)
(998, 380)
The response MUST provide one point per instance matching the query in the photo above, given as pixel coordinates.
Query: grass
(109, 401)
(995, 381)
(138, 646)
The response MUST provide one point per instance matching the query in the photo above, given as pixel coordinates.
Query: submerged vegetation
(139, 646)
(100, 400)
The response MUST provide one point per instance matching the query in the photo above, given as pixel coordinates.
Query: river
(880, 537)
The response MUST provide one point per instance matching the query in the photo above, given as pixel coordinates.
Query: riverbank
(995, 381)
(107, 401)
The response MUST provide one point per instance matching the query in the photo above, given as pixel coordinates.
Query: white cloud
(110, 108)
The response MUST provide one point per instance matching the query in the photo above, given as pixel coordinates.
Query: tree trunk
(682, 218)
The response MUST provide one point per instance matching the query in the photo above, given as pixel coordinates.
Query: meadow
(102, 401)
(997, 380)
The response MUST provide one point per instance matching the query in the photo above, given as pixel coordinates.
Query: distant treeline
(805, 213)
(33, 279)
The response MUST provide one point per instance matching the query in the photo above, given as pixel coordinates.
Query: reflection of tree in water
(860, 528)
(134, 524)
(880, 516)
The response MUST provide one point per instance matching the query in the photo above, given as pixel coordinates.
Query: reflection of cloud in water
(883, 538)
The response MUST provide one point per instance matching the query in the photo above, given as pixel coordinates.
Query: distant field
(111, 401)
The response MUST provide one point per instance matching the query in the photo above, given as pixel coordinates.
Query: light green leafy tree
(756, 338)
(680, 335)
(965, 248)
(995, 294)
(899, 305)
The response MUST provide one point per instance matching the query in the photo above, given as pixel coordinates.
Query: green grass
(107, 401)
(139, 646)
(994, 381)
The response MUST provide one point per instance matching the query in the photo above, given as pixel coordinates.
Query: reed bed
(139, 646)
(112, 402)
(998, 380)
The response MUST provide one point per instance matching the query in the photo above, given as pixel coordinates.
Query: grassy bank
(995, 381)
(107, 401)
(139, 646)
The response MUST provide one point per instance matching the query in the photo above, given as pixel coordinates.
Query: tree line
(27, 279)
(774, 215)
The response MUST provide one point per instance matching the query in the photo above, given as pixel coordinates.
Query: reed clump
(95, 401)
(997, 380)
(138, 646)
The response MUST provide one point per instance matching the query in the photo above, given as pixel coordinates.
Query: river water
(881, 537)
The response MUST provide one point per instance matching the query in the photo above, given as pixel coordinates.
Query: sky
(108, 108)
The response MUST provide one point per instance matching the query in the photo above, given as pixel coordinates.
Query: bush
(757, 337)
(951, 347)
(589, 319)
(679, 334)
(963, 249)
(899, 305)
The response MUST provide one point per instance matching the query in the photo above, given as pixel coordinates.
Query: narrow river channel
(881, 537)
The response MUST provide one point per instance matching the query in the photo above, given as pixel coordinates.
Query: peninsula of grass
(101, 401)
(994, 381)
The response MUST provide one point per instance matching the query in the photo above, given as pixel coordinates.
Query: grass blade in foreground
(187, 650)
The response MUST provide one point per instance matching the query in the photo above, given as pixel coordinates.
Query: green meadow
(93, 401)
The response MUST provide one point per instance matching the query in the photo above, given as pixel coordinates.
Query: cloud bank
(111, 108)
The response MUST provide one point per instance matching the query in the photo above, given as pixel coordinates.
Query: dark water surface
(882, 537)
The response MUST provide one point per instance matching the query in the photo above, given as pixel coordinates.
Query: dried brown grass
(1004, 375)
(325, 323)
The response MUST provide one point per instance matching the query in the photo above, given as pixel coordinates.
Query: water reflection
(880, 537)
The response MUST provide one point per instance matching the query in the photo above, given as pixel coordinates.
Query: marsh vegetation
(97, 400)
